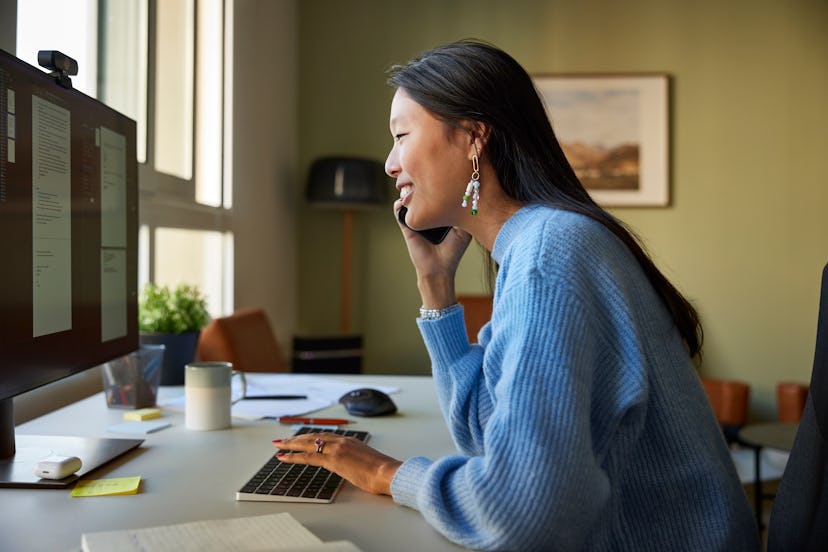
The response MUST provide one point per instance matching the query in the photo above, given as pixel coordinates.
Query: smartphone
(434, 235)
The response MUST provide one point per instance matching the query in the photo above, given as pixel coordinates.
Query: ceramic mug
(208, 395)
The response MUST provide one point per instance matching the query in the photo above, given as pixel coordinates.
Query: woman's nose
(392, 165)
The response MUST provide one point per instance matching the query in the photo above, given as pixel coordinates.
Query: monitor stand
(18, 471)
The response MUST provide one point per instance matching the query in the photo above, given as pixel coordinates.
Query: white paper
(259, 533)
(312, 386)
(321, 393)
(258, 409)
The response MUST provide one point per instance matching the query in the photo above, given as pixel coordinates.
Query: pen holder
(131, 381)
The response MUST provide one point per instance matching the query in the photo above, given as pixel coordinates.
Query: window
(174, 87)
(213, 160)
(71, 27)
(206, 254)
(183, 134)
(123, 60)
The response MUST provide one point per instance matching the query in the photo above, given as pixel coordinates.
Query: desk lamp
(346, 184)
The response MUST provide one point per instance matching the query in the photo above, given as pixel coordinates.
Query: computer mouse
(367, 402)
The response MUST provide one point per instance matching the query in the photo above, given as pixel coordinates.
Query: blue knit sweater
(579, 419)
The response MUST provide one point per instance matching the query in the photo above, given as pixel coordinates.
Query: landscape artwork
(614, 133)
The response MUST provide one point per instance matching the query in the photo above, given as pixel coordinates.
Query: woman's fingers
(308, 443)
(352, 459)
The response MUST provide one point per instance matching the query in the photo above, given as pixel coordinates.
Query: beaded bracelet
(434, 314)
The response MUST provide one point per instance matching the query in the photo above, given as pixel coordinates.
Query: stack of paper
(259, 533)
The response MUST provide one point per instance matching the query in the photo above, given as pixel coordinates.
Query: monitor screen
(68, 234)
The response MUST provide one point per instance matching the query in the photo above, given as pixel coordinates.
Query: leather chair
(477, 310)
(244, 338)
(790, 401)
(799, 517)
(730, 401)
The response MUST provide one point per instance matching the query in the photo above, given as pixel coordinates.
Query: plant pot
(180, 351)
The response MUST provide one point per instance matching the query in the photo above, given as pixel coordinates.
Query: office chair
(244, 338)
(335, 354)
(799, 516)
(477, 310)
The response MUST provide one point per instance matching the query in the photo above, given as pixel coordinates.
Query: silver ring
(320, 444)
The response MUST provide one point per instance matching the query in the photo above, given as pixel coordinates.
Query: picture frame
(614, 129)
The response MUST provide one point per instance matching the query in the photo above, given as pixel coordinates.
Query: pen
(276, 397)
(313, 421)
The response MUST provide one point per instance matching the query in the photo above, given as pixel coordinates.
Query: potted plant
(173, 318)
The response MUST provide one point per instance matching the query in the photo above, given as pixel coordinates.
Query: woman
(579, 419)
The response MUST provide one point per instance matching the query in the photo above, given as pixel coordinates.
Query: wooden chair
(244, 338)
(477, 310)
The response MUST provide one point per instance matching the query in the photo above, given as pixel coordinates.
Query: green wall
(746, 234)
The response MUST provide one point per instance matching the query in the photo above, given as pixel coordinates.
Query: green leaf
(165, 310)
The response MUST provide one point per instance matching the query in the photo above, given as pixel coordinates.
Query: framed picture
(614, 132)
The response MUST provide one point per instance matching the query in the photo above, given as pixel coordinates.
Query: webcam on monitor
(60, 64)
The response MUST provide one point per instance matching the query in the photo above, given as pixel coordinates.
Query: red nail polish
(277, 440)
(279, 454)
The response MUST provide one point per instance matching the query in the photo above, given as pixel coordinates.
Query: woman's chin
(412, 221)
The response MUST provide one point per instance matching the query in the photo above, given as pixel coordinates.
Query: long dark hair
(474, 81)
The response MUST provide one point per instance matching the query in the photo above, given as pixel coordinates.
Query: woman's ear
(478, 135)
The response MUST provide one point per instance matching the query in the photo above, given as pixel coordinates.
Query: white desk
(191, 475)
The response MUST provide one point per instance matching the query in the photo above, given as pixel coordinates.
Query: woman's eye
(398, 137)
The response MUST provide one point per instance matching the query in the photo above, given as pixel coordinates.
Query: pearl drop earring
(473, 187)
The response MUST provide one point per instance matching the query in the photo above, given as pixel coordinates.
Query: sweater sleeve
(464, 399)
(531, 461)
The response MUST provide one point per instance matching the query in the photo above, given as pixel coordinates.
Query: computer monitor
(68, 250)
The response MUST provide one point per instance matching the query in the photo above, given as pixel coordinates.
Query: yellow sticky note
(107, 487)
(143, 414)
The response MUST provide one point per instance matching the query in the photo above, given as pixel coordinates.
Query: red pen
(313, 421)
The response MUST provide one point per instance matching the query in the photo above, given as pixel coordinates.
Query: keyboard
(278, 481)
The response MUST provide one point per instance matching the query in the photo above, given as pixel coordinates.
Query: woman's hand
(436, 265)
(348, 457)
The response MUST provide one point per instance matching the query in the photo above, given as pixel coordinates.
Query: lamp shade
(347, 183)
